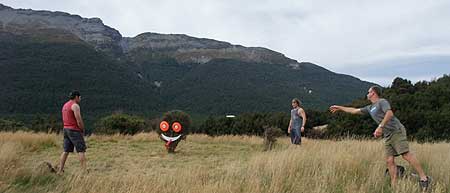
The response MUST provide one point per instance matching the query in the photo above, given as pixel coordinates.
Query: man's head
(75, 95)
(374, 93)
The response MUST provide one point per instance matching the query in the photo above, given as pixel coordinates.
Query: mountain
(44, 55)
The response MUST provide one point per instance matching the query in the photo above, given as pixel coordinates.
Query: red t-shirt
(69, 120)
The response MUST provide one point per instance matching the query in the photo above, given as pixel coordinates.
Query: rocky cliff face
(184, 48)
(90, 30)
(170, 42)
(188, 49)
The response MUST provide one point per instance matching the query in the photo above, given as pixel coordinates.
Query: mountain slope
(38, 73)
(44, 55)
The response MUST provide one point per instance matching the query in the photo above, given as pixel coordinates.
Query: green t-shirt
(377, 111)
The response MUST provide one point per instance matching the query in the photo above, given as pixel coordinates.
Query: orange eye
(164, 126)
(176, 127)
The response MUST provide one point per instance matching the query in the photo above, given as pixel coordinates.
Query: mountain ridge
(151, 72)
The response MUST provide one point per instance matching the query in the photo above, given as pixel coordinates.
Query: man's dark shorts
(73, 138)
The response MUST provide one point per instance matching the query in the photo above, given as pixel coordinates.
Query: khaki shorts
(396, 144)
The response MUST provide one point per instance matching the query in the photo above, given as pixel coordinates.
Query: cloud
(414, 68)
(343, 36)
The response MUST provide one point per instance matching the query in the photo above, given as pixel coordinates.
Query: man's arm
(303, 115)
(387, 117)
(386, 108)
(336, 108)
(76, 111)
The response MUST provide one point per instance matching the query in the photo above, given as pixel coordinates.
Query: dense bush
(46, 123)
(12, 125)
(244, 124)
(120, 123)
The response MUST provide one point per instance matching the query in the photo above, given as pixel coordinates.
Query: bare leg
(390, 160)
(62, 161)
(82, 158)
(412, 160)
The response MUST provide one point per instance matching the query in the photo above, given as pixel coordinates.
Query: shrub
(46, 123)
(11, 125)
(179, 116)
(120, 123)
(270, 137)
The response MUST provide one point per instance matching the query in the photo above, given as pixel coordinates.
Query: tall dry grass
(14, 147)
(227, 164)
(29, 141)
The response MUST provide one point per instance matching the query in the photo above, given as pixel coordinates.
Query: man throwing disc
(393, 132)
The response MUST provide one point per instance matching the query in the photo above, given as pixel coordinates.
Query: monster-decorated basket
(174, 127)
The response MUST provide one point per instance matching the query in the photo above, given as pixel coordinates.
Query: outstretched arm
(351, 110)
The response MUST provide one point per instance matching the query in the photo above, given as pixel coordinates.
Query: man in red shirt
(73, 131)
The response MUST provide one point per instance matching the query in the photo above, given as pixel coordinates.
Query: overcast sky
(372, 40)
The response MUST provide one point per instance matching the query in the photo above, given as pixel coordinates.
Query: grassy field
(204, 164)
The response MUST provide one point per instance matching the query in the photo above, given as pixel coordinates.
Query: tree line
(423, 107)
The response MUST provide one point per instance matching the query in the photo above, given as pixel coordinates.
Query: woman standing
(297, 122)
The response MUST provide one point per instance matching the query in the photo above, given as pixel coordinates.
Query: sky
(372, 40)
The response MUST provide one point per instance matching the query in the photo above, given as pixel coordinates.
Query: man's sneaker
(425, 184)
(400, 172)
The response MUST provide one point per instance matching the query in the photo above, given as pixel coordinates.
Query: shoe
(425, 184)
(401, 172)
